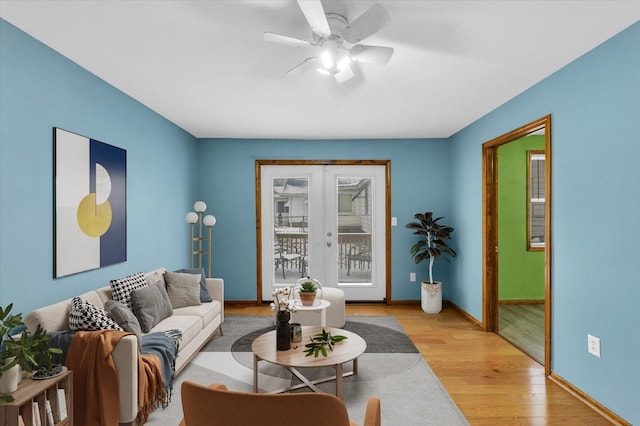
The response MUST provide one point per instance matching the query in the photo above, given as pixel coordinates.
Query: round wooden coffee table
(264, 349)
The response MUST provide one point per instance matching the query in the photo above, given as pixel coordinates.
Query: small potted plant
(432, 245)
(307, 292)
(20, 350)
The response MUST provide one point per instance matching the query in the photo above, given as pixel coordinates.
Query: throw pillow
(204, 294)
(124, 317)
(151, 305)
(183, 289)
(155, 278)
(122, 287)
(87, 316)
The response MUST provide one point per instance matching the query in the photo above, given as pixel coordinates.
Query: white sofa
(197, 323)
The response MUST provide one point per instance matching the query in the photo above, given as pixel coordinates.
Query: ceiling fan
(338, 39)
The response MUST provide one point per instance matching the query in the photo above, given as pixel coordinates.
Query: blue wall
(42, 90)
(419, 181)
(595, 108)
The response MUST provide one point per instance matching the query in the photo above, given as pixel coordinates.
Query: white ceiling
(204, 65)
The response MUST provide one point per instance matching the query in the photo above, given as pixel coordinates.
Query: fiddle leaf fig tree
(432, 244)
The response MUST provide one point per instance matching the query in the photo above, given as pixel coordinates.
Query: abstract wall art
(90, 193)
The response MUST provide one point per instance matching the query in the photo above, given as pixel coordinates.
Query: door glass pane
(291, 229)
(354, 230)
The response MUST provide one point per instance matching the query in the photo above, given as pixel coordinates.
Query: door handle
(328, 243)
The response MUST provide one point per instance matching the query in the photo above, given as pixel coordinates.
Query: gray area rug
(391, 369)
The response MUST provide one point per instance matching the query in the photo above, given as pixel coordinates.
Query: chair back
(215, 405)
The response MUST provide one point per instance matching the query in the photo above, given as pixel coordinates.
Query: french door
(325, 221)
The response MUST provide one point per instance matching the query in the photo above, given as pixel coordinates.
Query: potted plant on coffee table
(432, 245)
(19, 349)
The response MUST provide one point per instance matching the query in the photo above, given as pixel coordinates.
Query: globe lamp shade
(191, 217)
(209, 220)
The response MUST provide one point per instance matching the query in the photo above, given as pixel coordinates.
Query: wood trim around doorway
(490, 229)
(385, 163)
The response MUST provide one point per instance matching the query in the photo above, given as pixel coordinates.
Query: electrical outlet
(594, 345)
(412, 276)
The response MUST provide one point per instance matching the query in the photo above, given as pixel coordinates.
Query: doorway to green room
(517, 238)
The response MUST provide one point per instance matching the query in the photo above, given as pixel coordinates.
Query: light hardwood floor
(491, 381)
(523, 325)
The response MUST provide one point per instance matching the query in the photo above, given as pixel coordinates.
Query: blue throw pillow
(204, 294)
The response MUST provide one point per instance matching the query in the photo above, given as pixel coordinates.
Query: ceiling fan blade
(344, 75)
(309, 63)
(286, 40)
(314, 12)
(371, 54)
(370, 22)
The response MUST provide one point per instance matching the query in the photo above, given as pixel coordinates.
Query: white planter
(10, 379)
(431, 297)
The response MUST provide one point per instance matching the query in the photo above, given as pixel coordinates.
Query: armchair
(215, 405)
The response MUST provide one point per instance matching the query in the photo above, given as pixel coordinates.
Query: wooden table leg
(339, 378)
(255, 373)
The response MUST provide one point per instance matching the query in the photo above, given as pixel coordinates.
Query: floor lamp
(197, 240)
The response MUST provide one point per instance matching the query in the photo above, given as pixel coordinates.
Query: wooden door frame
(387, 166)
(490, 229)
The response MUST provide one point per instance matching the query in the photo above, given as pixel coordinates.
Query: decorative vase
(283, 331)
(431, 297)
(307, 297)
(10, 378)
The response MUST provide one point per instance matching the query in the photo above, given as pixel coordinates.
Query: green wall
(520, 272)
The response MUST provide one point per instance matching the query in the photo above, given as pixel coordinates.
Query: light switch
(394, 221)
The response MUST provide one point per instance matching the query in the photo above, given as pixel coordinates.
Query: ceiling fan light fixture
(337, 38)
(327, 59)
(343, 63)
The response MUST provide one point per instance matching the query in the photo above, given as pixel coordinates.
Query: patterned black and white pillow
(87, 316)
(121, 288)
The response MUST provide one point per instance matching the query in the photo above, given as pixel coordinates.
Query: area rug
(391, 369)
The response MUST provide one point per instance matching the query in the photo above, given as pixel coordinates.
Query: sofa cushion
(123, 287)
(92, 297)
(86, 316)
(124, 317)
(53, 317)
(183, 289)
(189, 326)
(151, 305)
(204, 294)
(105, 293)
(206, 311)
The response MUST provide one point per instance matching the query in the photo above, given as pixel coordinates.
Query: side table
(39, 391)
(318, 308)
